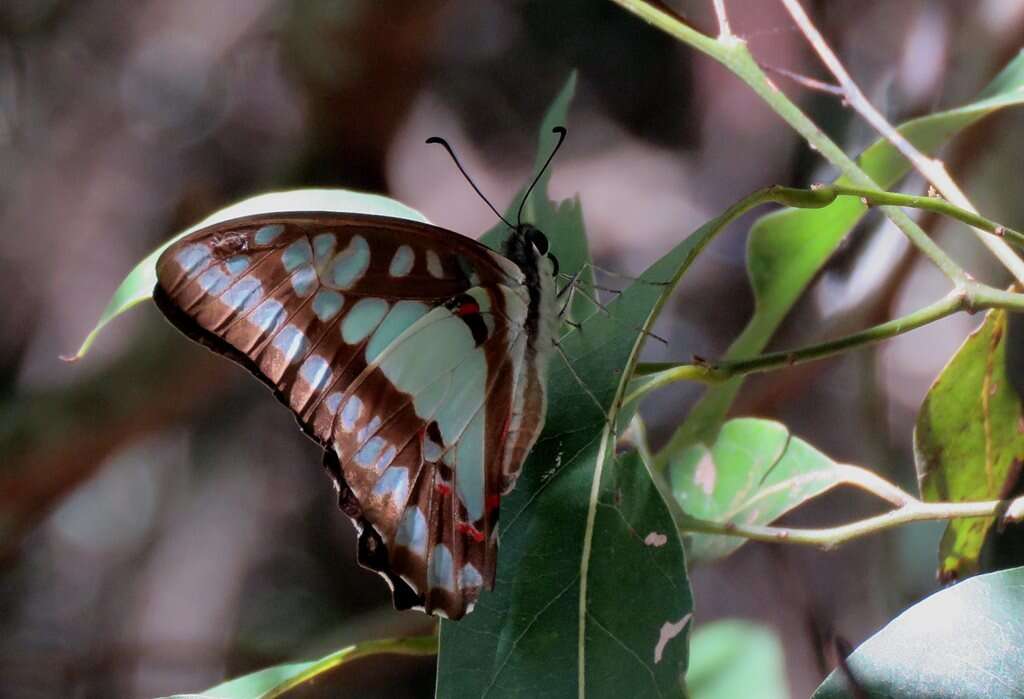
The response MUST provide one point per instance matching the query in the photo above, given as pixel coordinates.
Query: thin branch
(719, 372)
(932, 169)
(724, 32)
(735, 56)
(806, 81)
(830, 537)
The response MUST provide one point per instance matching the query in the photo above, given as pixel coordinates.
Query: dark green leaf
(965, 641)
(592, 596)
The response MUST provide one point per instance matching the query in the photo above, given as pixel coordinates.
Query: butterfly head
(528, 247)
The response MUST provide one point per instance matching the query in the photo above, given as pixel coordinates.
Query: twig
(735, 56)
(724, 32)
(830, 537)
(932, 169)
(720, 372)
(806, 81)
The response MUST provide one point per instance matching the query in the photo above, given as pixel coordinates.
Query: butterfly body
(415, 356)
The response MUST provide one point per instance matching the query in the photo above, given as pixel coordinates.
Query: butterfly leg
(620, 275)
(604, 309)
(579, 380)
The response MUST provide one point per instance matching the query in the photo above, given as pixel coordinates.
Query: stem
(876, 197)
(420, 645)
(735, 56)
(724, 32)
(830, 537)
(933, 170)
(723, 371)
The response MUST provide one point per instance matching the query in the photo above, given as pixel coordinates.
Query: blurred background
(164, 525)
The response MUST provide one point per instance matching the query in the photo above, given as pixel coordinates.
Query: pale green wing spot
(401, 316)
(412, 531)
(267, 234)
(434, 264)
(362, 319)
(349, 265)
(291, 342)
(237, 264)
(471, 576)
(323, 246)
(469, 466)
(402, 262)
(394, 484)
(296, 254)
(327, 303)
(441, 571)
(464, 398)
(431, 347)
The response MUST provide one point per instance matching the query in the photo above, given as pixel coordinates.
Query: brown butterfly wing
(316, 305)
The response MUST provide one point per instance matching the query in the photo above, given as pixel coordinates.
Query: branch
(932, 169)
(736, 57)
(828, 538)
(970, 296)
(720, 372)
(724, 32)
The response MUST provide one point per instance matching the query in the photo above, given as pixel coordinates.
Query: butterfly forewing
(401, 348)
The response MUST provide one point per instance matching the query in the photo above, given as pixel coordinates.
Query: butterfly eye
(538, 240)
(554, 265)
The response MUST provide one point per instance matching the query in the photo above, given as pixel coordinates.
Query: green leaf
(786, 249)
(277, 681)
(965, 641)
(733, 658)
(591, 596)
(753, 473)
(138, 285)
(967, 439)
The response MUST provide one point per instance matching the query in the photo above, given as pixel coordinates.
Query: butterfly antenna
(438, 139)
(560, 130)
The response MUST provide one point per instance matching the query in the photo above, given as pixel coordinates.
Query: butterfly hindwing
(401, 348)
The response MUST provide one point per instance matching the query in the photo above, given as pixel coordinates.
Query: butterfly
(415, 356)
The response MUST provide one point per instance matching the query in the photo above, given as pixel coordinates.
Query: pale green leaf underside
(277, 680)
(753, 473)
(965, 641)
(138, 285)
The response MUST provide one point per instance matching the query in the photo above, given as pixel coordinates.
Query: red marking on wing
(492, 501)
(470, 530)
(467, 309)
(444, 489)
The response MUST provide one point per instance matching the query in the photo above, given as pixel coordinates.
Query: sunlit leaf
(278, 681)
(965, 641)
(753, 473)
(968, 441)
